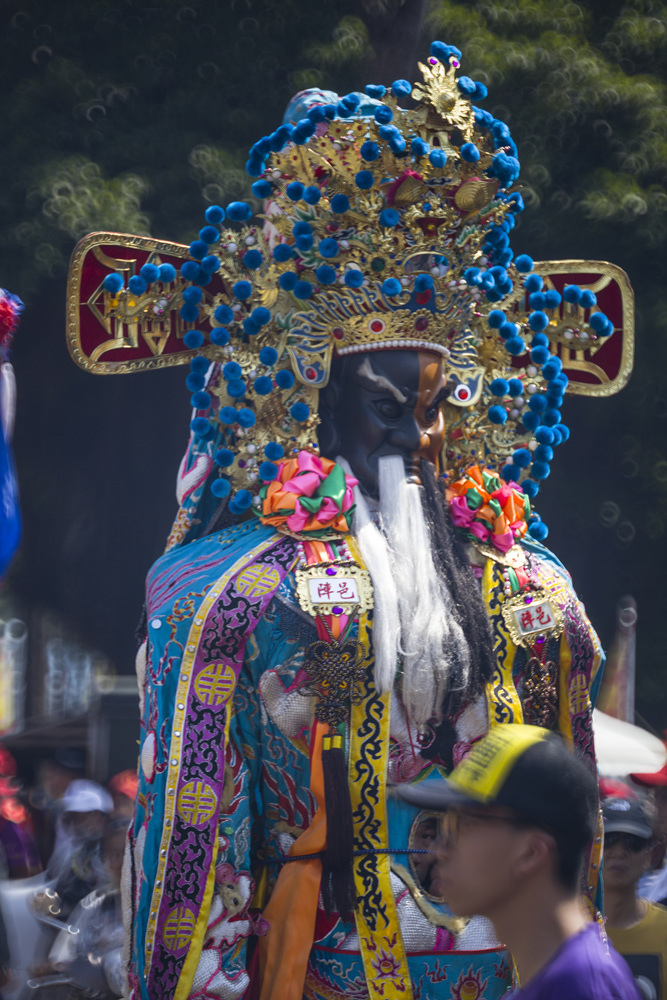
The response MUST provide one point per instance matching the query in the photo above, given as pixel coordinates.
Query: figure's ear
(327, 432)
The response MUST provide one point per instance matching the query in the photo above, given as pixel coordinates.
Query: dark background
(132, 117)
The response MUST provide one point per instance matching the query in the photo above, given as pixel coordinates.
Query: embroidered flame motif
(469, 986)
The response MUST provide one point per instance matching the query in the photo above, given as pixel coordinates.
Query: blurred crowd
(62, 842)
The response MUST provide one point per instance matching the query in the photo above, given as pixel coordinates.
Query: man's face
(476, 857)
(392, 405)
(626, 858)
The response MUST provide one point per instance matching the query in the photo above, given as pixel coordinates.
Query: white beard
(414, 626)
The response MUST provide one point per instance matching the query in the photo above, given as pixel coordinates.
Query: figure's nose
(406, 435)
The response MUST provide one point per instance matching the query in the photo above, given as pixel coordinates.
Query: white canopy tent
(623, 748)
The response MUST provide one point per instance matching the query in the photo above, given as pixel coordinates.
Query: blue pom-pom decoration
(261, 189)
(284, 378)
(444, 52)
(510, 473)
(364, 180)
(369, 151)
(239, 211)
(515, 387)
(228, 415)
(189, 312)
(537, 300)
(288, 280)
(533, 283)
(302, 290)
(137, 284)
(246, 417)
(325, 274)
(240, 501)
(113, 283)
(522, 458)
(538, 321)
(150, 273)
(302, 228)
(564, 431)
(540, 340)
(383, 115)
(524, 263)
(540, 470)
(470, 152)
(544, 452)
(242, 290)
(328, 247)
(389, 217)
(268, 355)
(193, 338)
(515, 345)
(497, 414)
(401, 88)
(466, 85)
(250, 327)
(220, 488)
(588, 299)
(530, 420)
(199, 365)
(340, 203)
(231, 370)
(552, 298)
(267, 470)
(219, 336)
(424, 283)
(375, 90)
(538, 530)
(418, 147)
(224, 314)
(198, 249)
(508, 330)
(192, 295)
(551, 369)
(530, 488)
(437, 157)
(597, 322)
(500, 387)
(214, 214)
(537, 403)
(311, 195)
(300, 411)
(496, 319)
(551, 417)
(236, 388)
(209, 234)
(354, 278)
(572, 294)
(253, 259)
(544, 435)
(391, 287)
(282, 253)
(274, 451)
(201, 427)
(263, 385)
(539, 355)
(261, 316)
(224, 457)
(167, 273)
(194, 381)
(210, 264)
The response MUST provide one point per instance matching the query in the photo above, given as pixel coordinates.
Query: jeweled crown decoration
(383, 227)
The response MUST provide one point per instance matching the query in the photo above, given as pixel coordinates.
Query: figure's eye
(461, 393)
(431, 414)
(388, 408)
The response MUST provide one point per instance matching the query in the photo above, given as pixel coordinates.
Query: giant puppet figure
(354, 588)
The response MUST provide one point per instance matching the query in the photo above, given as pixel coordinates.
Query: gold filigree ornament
(334, 588)
(382, 227)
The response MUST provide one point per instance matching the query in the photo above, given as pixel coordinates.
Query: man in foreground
(520, 819)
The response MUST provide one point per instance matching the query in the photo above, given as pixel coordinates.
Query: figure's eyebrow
(377, 382)
(442, 396)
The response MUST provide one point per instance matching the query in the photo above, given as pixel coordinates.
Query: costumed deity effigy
(354, 588)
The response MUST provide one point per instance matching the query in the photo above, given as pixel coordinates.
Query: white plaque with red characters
(334, 588)
(531, 615)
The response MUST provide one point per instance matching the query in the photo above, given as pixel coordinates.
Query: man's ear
(327, 431)
(538, 850)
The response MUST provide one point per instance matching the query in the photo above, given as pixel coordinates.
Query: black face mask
(383, 403)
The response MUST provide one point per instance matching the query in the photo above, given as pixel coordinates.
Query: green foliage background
(125, 116)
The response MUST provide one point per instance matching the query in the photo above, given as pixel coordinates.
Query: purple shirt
(585, 967)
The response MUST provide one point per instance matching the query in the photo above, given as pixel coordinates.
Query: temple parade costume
(354, 588)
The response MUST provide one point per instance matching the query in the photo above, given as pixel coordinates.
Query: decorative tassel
(337, 876)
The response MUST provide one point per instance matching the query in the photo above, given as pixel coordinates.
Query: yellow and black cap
(526, 769)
